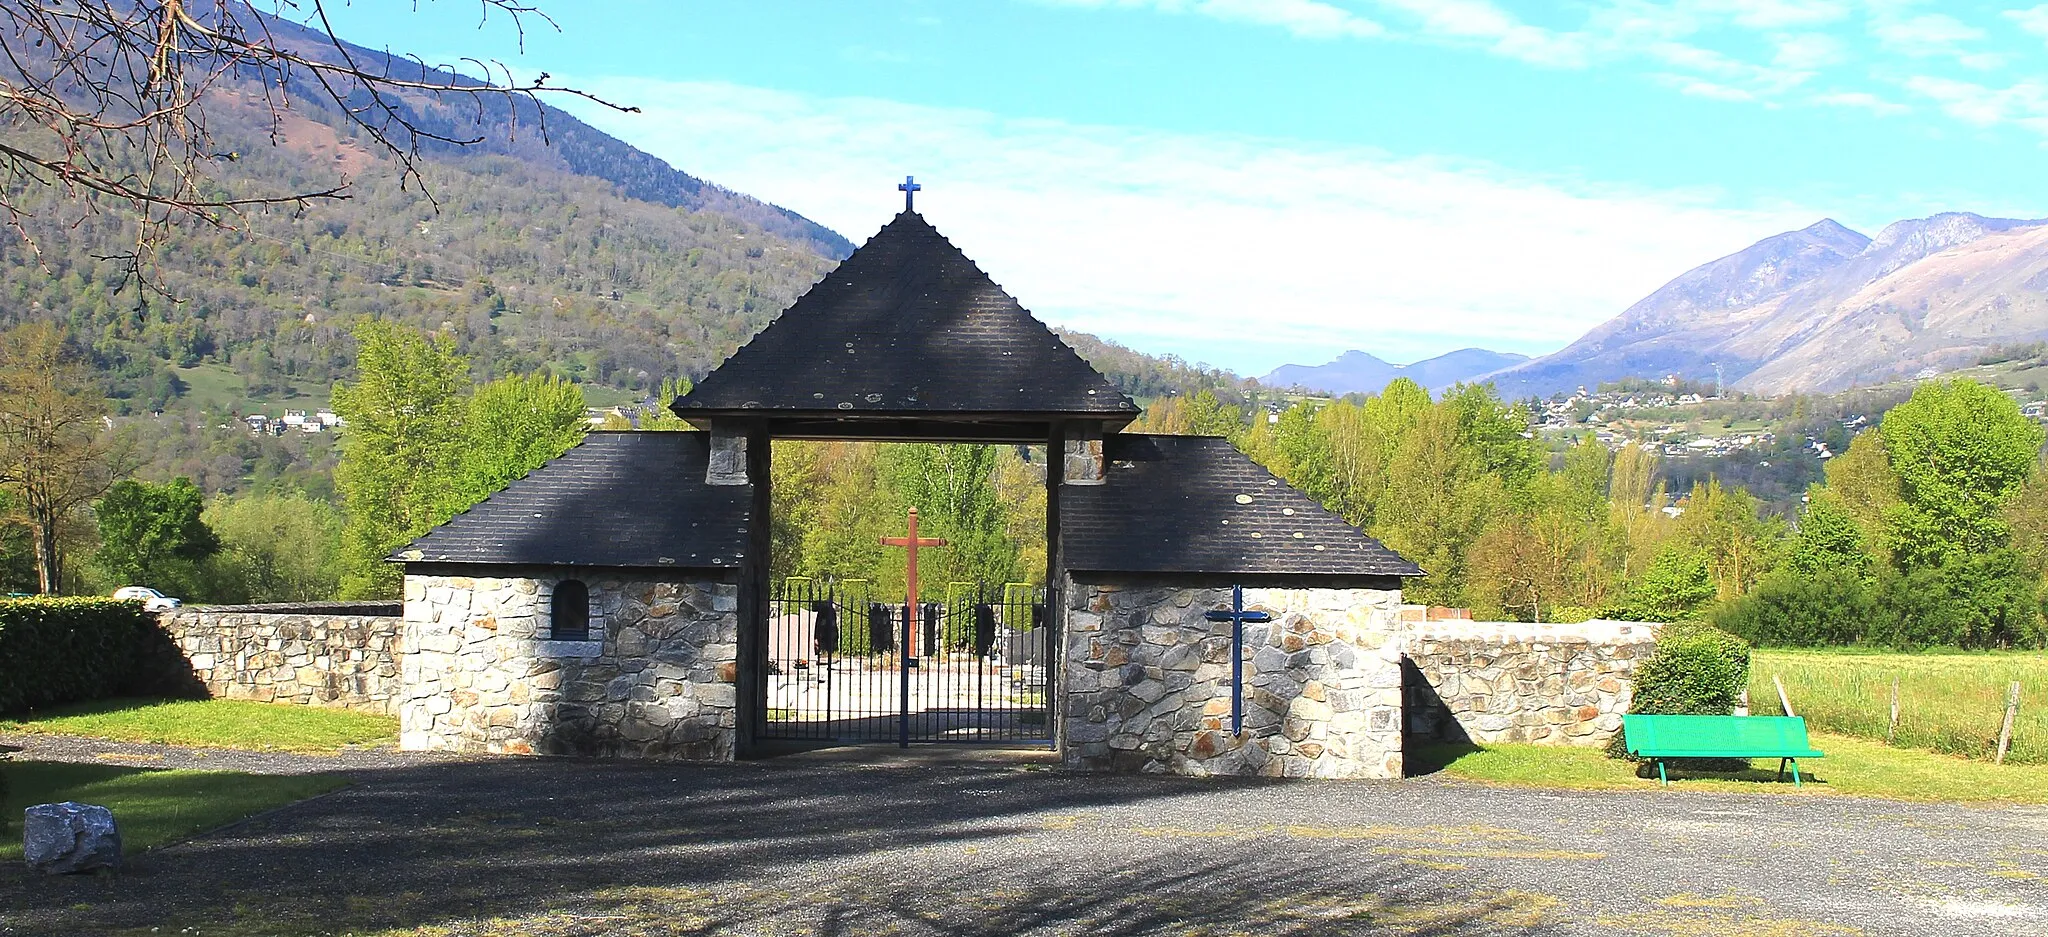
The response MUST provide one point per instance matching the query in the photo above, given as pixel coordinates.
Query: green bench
(1661, 737)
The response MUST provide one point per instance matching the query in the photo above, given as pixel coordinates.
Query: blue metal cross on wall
(1237, 616)
(909, 188)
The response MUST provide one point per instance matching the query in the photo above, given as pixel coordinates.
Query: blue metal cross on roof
(909, 189)
(1237, 616)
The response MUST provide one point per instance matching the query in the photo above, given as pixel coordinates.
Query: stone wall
(1513, 682)
(316, 654)
(1148, 682)
(655, 680)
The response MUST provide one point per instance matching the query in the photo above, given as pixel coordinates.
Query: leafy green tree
(1828, 538)
(153, 535)
(1675, 587)
(53, 455)
(1208, 416)
(953, 486)
(1725, 525)
(1863, 483)
(510, 427)
(399, 450)
(1960, 450)
(275, 547)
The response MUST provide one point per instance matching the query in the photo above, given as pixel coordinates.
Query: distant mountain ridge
(1821, 309)
(1355, 372)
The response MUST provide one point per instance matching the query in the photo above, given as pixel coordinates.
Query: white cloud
(1777, 14)
(1246, 252)
(1925, 35)
(2025, 103)
(1862, 100)
(1310, 19)
(1701, 88)
(1807, 50)
(2033, 21)
(1767, 52)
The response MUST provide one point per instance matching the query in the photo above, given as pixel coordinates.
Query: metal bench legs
(1795, 771)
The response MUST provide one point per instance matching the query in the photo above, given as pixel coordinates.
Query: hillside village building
(617, 601)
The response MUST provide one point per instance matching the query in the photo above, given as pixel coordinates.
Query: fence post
(1891, 733)
(2012, 711)
(1783, 700)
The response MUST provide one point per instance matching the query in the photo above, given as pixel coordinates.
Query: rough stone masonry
(1148, 682)
(317, 654)
(653, 680)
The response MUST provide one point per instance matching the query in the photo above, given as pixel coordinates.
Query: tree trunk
(49, 576)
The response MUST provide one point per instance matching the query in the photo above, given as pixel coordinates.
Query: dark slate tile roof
(907, 325)
(616, 499)
(1195, 504)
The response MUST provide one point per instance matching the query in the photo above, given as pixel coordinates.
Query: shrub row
(67, 650)
(1984, 601)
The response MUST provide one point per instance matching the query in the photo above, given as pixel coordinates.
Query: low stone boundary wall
(1516, 682)
(319, 654)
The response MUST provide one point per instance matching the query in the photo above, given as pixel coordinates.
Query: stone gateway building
(617, 601)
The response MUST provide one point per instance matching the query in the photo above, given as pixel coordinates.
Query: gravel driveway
(988, 845)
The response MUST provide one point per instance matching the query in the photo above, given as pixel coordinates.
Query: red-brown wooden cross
(910, 544)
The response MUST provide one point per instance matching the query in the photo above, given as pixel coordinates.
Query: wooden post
(1783, 700)
(1891, 733)
(2012, 711)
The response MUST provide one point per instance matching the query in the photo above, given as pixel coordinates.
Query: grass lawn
(212, 724)
(1852, 766)
(152, 807)
(1948, 701)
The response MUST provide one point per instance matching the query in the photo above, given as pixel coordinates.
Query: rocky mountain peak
(1903, 242)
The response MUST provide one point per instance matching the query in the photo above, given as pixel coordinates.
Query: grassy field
(1853, 766)
(1948, 702)
(213, 724)
(151, 807)
(217, 386)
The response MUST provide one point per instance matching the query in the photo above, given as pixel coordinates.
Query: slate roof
(1195, 504)
(633, 499)
(908, 325)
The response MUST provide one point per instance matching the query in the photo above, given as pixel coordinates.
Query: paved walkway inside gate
(981, 844)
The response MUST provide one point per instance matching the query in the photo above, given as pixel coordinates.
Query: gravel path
(940, 845)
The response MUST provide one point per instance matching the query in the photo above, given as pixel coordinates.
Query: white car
(152, 600)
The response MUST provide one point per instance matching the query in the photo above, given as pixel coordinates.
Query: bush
(71, 650)
(1977, 601)
(1828, 607)
(1696, 670)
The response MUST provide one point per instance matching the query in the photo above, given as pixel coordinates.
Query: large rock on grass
(70, 837)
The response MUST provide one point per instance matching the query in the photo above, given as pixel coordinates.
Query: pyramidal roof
(906, 327)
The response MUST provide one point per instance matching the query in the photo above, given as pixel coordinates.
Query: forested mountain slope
(536, 258)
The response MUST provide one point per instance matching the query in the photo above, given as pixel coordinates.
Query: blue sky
(1255, 182)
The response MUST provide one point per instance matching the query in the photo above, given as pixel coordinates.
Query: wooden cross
(1237, 616)
(909, 188)
(910, 544)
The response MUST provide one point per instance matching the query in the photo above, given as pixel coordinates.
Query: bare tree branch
(108, 102)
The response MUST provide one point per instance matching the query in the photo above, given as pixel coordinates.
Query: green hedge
(68, 650)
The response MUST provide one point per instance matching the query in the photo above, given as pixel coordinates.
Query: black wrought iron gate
(976, 670)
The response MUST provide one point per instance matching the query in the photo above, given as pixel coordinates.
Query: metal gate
(976, 668)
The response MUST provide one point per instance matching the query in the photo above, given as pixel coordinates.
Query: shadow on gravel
(540, 846)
